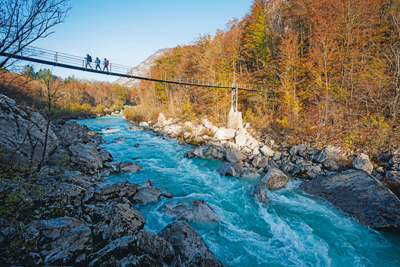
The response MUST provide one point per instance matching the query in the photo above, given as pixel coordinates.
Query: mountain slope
(141, 70)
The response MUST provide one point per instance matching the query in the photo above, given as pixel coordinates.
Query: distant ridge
(141, 70)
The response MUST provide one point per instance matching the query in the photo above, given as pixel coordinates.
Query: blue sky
(129, 31)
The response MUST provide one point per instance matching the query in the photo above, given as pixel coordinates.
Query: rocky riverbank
(366, 191)
(70, 217)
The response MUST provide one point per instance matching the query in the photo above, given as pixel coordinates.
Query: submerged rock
(188, 245)
(274, 179)
(260, 194)
(122, 138)
(198, 212)
(361, 196)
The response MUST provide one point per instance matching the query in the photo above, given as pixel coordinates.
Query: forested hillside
(326, 71)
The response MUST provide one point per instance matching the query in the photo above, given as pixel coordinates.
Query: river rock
(241, 139)
(133, 128)
(72, 132)
(161, 119)
(307, 170)
(274, 179)
(199, 211)
(392, 181)
(230, 169)
(114, 190)
(106, 156)
(256, 160)
(361, 196)
(113, 167)
(223, 134)
(114, 219)
(93, 133)
(16, 125)
(329, 153)
(50, 191)
(267, 151)
(362, 163)
(234, 155)
(62, 241)
(144, 124)
(119, 139)
(294, 150)
(147, 194)
(165, 193)
(86, 158)
(188, 245)
(288, 167)
(155, 246)
(260, 194)
(208, 151)
(127, 166)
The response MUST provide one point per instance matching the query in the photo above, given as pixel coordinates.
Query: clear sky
(128, 31)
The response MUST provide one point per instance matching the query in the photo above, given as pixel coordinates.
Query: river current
(296, 229)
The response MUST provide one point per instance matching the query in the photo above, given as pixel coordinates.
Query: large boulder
(362, 163)
(274, 179)
(62, 241)
(86, 158)
(199, 211)
(208, 151)
(234, 155)
(114, 190)
(230, 169)
(147, 193)
(267, 151)
(223, 134)
(23, 134)
(189, 247)
(114, 219)
(127, 166)
(72, 132)
(361, 196)
(331, 158)
(259, 194)
(392, 181)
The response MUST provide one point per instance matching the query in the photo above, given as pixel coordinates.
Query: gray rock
(294, 151)
(165, 193)
(133, 128)
(267, 151)
(76, 178)
(392, 181)
(277, 155)
(361, 196)
(260, 194)
(114, 219)
(58, 157)
(86, 158)
(188, 245)
(62, 240)
(230, 169)
(127, 166)
(146, 183)
(307, 170)
(50, 191)
(72, 132)
(155, 246)
(263, 163)
(332, 165)
(113, 167)
(329, 153)
(274, 179)
(199, 211)
(122, 138)
(208, 151)
(288, 167)
(147, 194)
(234, 155)
(106, 156)
(250, 174)
(24, 133)
(362, 163)
(114, 190)
(256, 160)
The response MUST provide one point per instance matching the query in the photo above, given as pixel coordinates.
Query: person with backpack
(88, 60)
(98, 63)
(106, 63)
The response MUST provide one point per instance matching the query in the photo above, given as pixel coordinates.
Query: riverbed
(296, 229)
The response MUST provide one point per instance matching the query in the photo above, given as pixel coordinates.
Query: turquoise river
(296, 229)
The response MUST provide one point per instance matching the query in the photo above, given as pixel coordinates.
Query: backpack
(108, 62)
(89, 59)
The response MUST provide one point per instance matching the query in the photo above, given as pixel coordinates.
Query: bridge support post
(234, 117)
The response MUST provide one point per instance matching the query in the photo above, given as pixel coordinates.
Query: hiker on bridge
(88, 60)
(106, 63)
(98, 63)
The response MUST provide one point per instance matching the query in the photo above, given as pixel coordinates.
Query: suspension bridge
(57, 59)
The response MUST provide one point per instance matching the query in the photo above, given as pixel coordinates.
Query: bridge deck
(62, 60)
